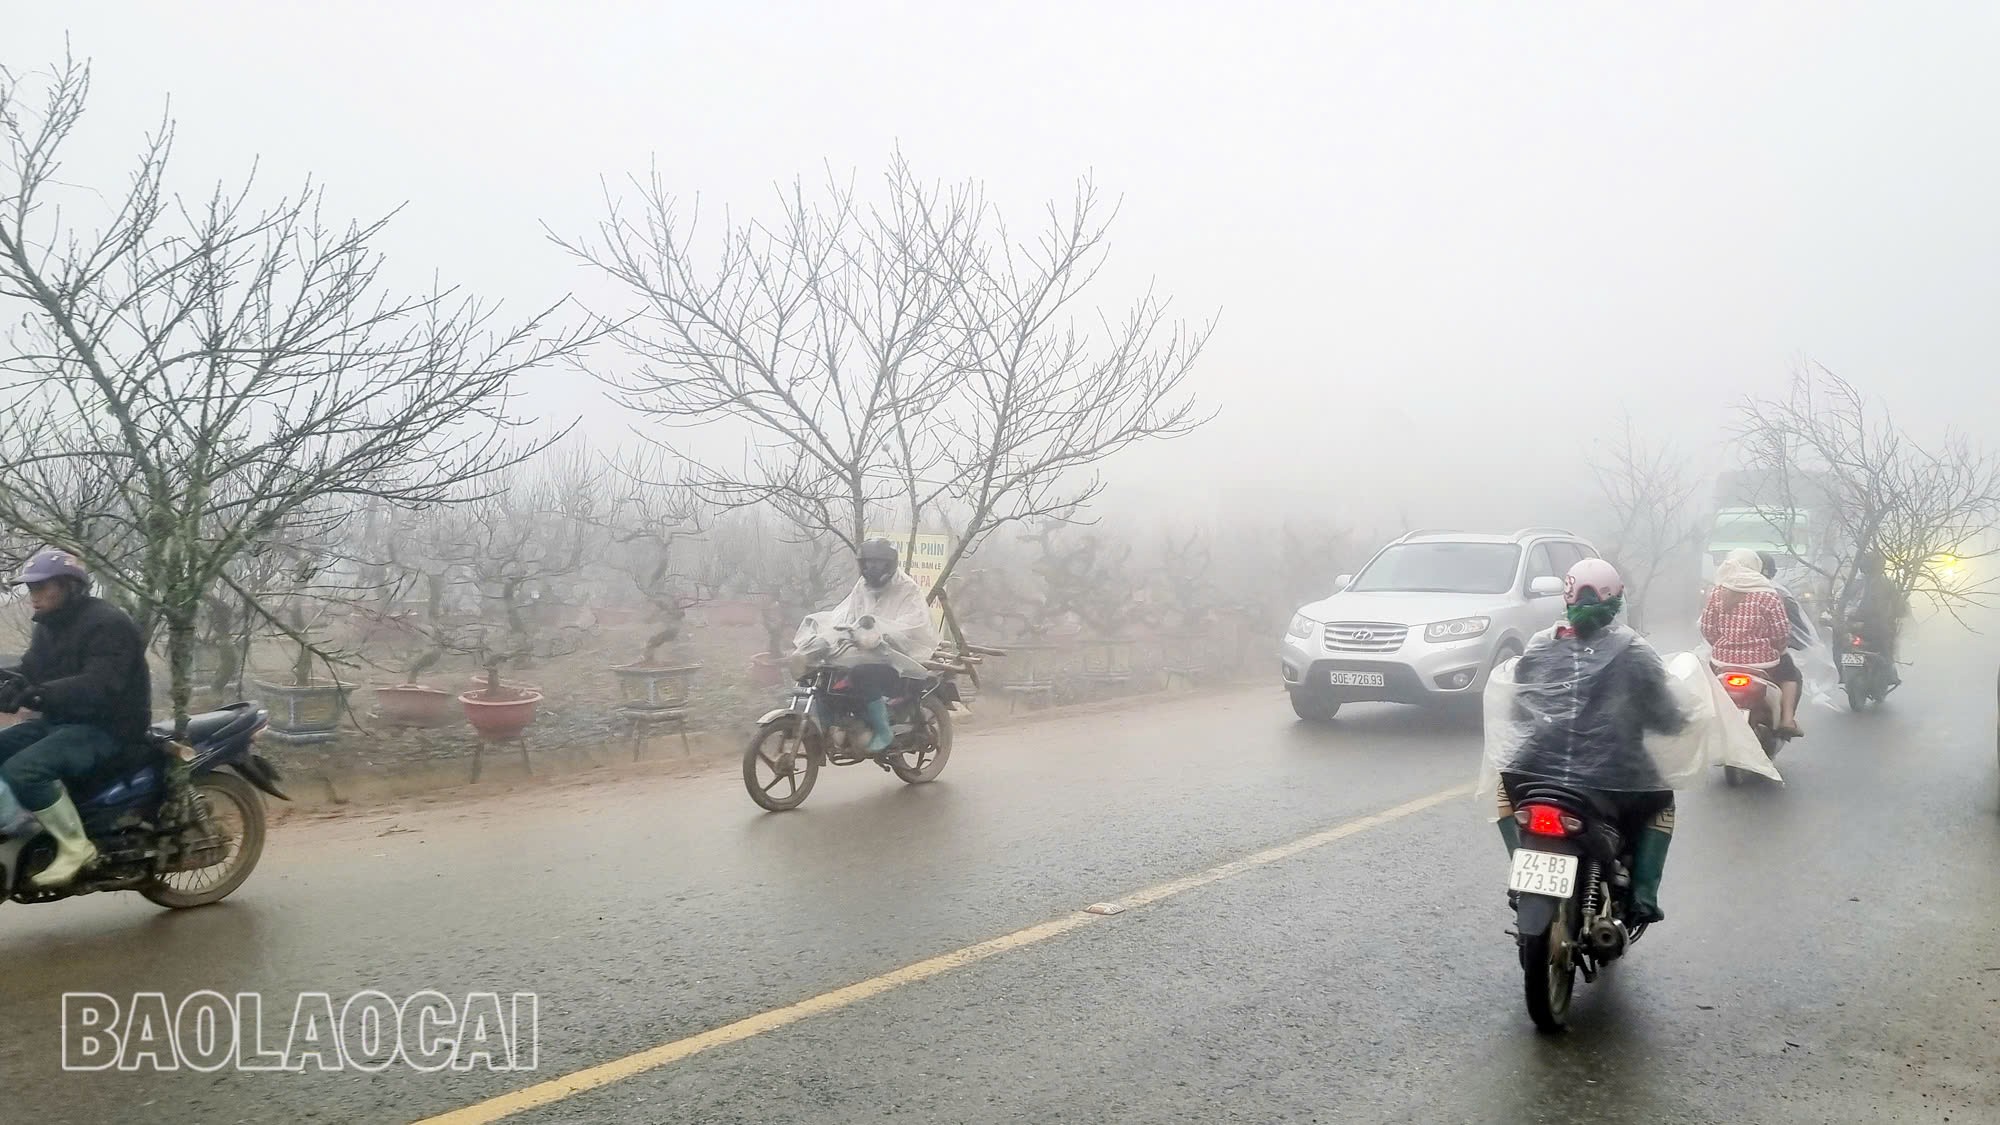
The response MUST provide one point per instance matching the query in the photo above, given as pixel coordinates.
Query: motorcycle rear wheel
(1857, 693)
(927, 761)
(229, 798)
(791, 761)
(1548, 971)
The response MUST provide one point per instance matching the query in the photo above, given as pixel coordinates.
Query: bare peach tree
(908, 359)
(1926, 509)
(188, 376)
(1649, 492)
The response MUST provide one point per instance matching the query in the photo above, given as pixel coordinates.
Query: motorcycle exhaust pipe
(1607, 938)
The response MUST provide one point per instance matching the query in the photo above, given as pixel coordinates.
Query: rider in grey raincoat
(886, 617)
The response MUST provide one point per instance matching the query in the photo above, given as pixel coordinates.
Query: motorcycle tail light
(1547, 820)
(1855, 641)
(1736, 681)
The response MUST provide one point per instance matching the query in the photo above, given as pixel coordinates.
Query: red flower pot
(413, 705)
(767, 670)
(500, 720)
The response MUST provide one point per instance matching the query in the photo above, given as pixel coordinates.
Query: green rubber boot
(878, 718)
(1510, 832)
(1649, 863)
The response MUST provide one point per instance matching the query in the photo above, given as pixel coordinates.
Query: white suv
(1427, 619)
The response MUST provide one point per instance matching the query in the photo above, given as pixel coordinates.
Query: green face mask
(1589, 617)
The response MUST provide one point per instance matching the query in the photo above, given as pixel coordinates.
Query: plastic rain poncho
(1607, 713)
(14, 819)
(903, 634)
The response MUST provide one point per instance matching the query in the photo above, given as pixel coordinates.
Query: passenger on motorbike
(1746, 625)
(85, 676)
(890, 626)
(1802, 629)
(1584, 696)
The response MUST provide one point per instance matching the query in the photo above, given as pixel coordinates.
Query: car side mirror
(1342, 582)
(1545, 587)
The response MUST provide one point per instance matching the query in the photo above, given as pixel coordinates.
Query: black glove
(13, 691)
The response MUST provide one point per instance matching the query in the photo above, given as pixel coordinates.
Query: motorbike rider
(85, 676)
(1585, 695)
(1879, 608)
(886, 617)
(1746, 625)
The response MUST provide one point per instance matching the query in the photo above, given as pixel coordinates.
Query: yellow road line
(652, 1058)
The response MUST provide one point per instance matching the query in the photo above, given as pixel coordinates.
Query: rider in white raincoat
(1592, 706)
(886, 619)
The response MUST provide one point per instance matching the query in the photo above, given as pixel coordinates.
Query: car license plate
(1853, 659)
(1360, 679)
(1542, 873)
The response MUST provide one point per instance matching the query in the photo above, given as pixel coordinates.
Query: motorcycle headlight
(1301, 627)
(1459, 629)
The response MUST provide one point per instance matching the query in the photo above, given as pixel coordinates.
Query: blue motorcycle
(184, 827)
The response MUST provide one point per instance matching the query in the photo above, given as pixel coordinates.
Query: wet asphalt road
(1832, 953)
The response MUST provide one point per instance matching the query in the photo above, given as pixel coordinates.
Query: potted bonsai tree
(651, 527)
(303, 707)
(792, 579)
(416, 564)
(1187, 609)
(1083, 584)
(518, 537)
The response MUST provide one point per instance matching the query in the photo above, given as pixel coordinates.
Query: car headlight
(1460, 629)
(1301, 627)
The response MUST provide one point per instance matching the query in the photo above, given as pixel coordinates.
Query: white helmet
(1595, 575)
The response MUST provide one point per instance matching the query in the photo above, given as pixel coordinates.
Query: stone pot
(655, 687)
(413, 705)
(304, 714)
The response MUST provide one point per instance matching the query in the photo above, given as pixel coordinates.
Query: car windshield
(1443, 568)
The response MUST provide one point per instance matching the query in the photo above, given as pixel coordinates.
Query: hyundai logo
(1364, 634)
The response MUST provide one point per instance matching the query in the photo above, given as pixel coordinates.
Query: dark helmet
(51, 563)
(878, 560)
(1770, 563)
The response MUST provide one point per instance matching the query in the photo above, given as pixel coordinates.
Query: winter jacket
(1582, 708)
(87, 664)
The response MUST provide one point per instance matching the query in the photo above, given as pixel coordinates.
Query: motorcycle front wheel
(1548, 971)
(779, 769)
(926, 760)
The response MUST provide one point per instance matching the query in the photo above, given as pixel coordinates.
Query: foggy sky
(1447, 242)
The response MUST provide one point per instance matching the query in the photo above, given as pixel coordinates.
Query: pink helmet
(1593, 574)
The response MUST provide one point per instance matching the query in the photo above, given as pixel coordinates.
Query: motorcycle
(825, 725)
(1571, 882)
(1755, 694)
(1864, 672)
(184, 829)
